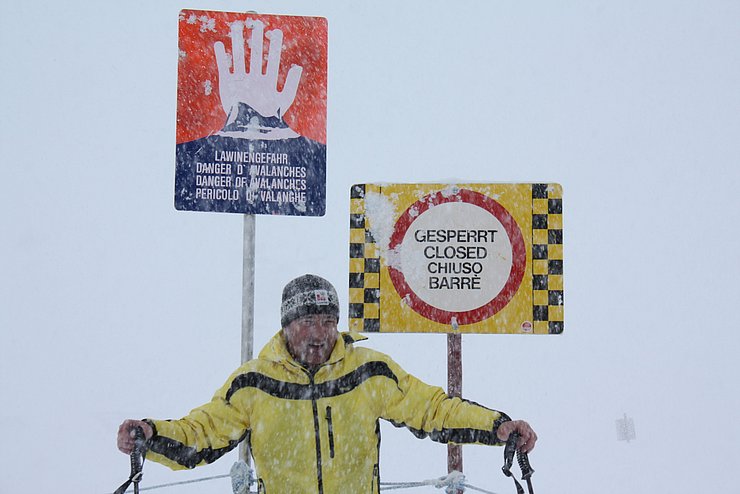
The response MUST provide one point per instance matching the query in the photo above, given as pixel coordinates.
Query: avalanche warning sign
(469, 258)
(251, 113)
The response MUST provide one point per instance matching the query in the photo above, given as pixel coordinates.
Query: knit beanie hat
(308, 294)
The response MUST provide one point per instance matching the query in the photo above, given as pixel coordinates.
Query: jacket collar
(277, 351)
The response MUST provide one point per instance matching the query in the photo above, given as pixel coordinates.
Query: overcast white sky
(115, 305)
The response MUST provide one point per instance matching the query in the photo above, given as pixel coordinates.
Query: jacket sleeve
(427, 411)
(203, 436)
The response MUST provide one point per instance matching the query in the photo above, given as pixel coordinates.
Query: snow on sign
(251, 114)
(469, 258)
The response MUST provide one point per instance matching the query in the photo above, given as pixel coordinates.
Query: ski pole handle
(137, 462)
(523, 460)
(139, 440)
(137, 457)
(509, 451)
(524, 465)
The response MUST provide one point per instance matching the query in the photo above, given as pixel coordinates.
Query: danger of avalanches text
(264, 176)
(454, 267)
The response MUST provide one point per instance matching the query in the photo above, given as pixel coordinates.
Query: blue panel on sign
(233, 175)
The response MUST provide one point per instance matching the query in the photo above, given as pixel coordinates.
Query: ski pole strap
(523, 461)
(137, 462)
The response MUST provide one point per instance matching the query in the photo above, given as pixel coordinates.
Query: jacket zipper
(331, 431)
(315, 408)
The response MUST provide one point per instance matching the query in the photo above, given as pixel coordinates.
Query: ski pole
(137, 462)
(526, 469)
(522, 459)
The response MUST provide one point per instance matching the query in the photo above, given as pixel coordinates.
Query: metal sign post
(454, 389)
(247, 348)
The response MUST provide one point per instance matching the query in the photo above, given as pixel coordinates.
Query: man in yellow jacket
(310, 405)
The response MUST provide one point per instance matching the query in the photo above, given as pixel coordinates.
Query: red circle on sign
(519, 258)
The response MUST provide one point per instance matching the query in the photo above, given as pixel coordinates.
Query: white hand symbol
(253, 88)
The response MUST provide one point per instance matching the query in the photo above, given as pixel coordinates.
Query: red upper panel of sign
(199, 108)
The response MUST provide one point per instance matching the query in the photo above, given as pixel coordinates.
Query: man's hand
(527, 436)
(252, 87)
(126, 434)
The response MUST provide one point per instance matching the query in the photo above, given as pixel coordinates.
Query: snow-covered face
(311, 338)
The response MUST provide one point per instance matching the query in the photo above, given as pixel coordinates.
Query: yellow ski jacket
(317, 432)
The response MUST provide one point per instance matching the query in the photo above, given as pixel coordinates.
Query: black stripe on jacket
(296, 391)
(187, 456)
(463, 435)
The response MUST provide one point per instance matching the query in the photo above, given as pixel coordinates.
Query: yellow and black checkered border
(547, 258)
(364, 265)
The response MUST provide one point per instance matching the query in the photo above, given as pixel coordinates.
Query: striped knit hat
(308, 294)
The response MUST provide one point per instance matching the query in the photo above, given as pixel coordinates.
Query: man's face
(311, 338)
